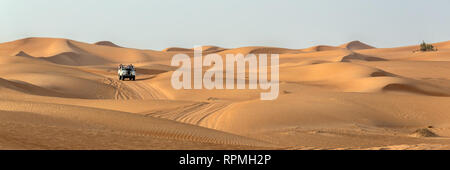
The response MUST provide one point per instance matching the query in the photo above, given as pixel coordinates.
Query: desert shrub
(426, 47)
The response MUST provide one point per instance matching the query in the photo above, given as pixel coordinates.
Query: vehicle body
(126, 72)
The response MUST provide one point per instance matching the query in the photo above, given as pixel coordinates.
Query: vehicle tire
(134, 78)
(120, 77)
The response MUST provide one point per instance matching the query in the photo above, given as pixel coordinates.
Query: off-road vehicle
(126, 72)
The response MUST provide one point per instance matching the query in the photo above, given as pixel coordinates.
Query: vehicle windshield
(127, 68)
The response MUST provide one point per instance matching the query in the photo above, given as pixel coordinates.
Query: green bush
(426, 47)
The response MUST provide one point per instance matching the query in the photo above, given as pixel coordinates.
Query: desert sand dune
(59, 78)
(107, 43)
(23, 54)
(24, 87)
(314, 57)
(357, 56)
(177, 49)
(119, 120)
(64, 94)
(353, 45)
(442, 45)
(209, 48)
(407, 54)
(321, 48)
(190, 51)
(343, 116)
(112, 123)
(258, 50)
(349, 77)
(410, 53)
(71, 52)
(39, 47)
(356, 45)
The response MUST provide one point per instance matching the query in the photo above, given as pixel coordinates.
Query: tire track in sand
(145, 90)
(128, 123)
(127, 90)
(195, 113)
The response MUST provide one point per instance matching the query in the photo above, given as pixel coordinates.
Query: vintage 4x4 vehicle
(127, 72)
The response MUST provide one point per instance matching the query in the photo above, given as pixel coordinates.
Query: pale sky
(157, 24)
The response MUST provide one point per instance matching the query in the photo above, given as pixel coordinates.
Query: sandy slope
(106, 43)
(64, 94)
(356, 45)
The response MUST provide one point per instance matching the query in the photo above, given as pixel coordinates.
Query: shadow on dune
(24, 54)
(107, 43)
(412, 89)
(382, 73)
(357, 56)
(75, 59)
(27, 88)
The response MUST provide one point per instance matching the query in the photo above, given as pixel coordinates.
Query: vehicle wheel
(134, 78)
(120, 77)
